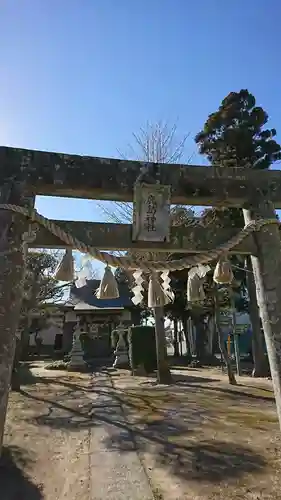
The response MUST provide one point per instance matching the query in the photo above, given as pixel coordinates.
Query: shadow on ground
(26, 376)
(233, 393)
(171, 434)
(210, 461)
(14, 483)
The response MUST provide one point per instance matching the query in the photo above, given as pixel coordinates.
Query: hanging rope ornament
(156, 294)
(65, 269)
(138, 288)
(85, 273)
(195, 289)
(223, 274)
(167, 286)
(108, 288)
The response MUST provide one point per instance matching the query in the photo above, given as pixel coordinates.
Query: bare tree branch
(156, 143)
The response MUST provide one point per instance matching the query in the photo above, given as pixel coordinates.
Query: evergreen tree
(236, 136)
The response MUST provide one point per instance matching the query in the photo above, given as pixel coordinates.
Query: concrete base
(121, 353)
(77, 363)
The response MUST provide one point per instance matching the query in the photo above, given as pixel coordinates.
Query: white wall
(47, 335)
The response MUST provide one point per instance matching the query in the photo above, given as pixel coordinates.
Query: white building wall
(47, 335)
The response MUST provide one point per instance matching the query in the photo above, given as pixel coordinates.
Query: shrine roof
(86, 295)
(82, 306)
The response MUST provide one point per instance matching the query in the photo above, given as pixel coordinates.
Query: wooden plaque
(151, 213)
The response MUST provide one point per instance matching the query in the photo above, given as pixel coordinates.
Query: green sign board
(240, 329)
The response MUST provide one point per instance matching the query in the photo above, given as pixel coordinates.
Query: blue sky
(79, 76)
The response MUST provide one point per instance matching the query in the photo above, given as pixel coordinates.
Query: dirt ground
(198, 439)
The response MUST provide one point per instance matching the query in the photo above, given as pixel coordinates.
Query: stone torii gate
(25, 174)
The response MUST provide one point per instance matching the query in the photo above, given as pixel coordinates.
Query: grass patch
(57, 365)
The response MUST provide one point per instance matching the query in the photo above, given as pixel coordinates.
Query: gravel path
(72, 436)
(114, 475)
(60, 435)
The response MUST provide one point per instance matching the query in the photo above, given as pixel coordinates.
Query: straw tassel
(108, 288)
(196, 278)
(223, 274)
(195, 290)
(156, 294)
(65, 269)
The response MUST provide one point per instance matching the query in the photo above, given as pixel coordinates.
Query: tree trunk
(176, 339)
(261, 365)
(23, 343)
(234, 334)
(185, 332)
(202, 356)
(210, 336)
(15, 380)
(163, 371)
(266, 268)
(215, 342)
(223, 349)
(11, 279)
(186, 338)
(200, 338)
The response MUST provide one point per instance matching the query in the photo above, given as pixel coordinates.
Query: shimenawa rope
(130, 262)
